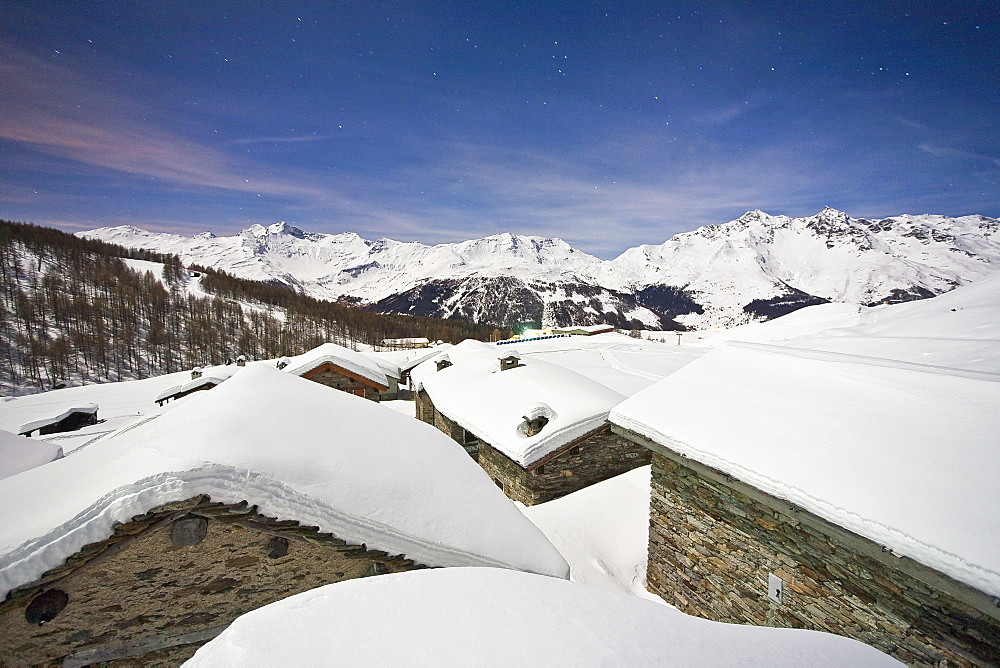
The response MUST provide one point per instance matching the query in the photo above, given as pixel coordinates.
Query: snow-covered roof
(210, 378)
(29, 427)
(490, 617)
(20, 453)
(903, 454)
(345, 358)
(467, 349)
(368, 476)
(492, 404)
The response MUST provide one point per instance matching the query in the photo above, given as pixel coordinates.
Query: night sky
(606, 124)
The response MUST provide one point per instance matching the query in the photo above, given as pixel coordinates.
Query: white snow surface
(958, 329)
(602, 531)
(298, 450)
(20, 453)
(900, 453)
(345, 358)
(490, 617)
(492, 404)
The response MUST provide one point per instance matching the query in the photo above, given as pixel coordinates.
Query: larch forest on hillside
(72, 311)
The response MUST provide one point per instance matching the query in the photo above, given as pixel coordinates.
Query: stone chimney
(196, 372)
(443, 362)
(510, 361)
(241, 360)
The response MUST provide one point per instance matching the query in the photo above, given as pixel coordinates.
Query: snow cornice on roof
(344, 358)
(493, 404)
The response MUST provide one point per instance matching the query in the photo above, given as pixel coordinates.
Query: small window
(499, 483)
(44, 607)
(540, 470)
(574, 451)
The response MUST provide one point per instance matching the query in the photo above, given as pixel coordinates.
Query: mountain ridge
(741, 270)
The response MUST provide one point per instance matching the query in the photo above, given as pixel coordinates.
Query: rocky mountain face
(755, 267)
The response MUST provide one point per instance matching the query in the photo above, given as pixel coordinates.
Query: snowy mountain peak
(754, 267)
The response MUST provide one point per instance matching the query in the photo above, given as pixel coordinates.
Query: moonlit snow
(489, 617)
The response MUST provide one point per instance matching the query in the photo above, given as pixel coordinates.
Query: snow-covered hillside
(754, 267)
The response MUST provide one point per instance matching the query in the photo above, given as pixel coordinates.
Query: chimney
(443, 362)
(196, 372)
(241, 360)
(510, 361)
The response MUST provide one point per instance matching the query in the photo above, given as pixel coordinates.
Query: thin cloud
(945, 152)
(54, 110)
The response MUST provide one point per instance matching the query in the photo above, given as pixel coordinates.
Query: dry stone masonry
(725, 551)
(170, 580)
(597, 456)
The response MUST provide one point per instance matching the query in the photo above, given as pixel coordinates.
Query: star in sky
(608, 125)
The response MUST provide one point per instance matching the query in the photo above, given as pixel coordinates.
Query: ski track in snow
(616, 364)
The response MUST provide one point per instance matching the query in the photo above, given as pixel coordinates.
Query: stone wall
(170, 580)
(331, 377)
(715, 545)
(457, 433)
(598, 456)
(425, 408)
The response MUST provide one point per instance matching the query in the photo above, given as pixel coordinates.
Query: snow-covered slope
(959, 329)
(489, 617)
(754, 267)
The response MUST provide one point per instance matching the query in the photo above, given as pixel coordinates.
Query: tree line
(74, 311)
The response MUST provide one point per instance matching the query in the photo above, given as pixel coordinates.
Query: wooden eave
(330, 366)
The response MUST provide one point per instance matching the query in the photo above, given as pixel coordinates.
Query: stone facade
(333, 376)
(170, 580)
(717, 547)
(597, 456)
(466, 439)
(424, 407)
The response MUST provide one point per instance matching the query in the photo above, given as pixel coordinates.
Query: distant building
(342, 369)
(829, 492)
(539, 430)
(584, 330)
(406, 344)
(70, 419)
(200, 380)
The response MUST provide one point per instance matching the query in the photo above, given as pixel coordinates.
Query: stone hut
(539, 430)
(150, 543)
(830, 492)
(200, 380)
(70, 419)
(342, 369)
